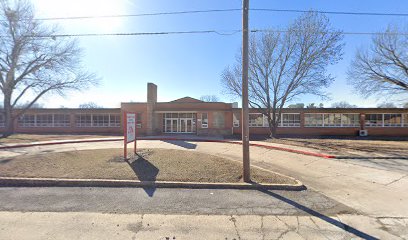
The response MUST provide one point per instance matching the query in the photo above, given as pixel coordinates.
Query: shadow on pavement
(182, 144)
(323, 217)
(145, 171)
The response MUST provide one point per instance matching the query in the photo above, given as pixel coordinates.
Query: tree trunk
(8, 115)
(272, 130)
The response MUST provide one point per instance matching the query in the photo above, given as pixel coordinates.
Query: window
(374, 120)
(256, 120)
(204, 120)
(83, 120)
(393, 120)
(62, 120)
(2, 120)
(138, 120)
(27, 120)
(100, 120)
(235, 120)
(405, 118)
(290, 120)
(218, 120)
(313, 120)
(97, 120)
(332, 119)
(44, 120)
(114, 120)
(350, 120)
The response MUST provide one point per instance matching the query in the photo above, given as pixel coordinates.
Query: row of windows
(330, 120)
(386, 120)
(179, 115)
(44, 120)
(97, 120)
(63, 120)
(260, 120)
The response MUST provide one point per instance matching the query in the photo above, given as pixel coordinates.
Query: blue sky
(190, 65)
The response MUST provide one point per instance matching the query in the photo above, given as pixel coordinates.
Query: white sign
(130, 127)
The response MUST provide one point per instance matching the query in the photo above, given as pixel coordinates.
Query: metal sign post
(129, 131)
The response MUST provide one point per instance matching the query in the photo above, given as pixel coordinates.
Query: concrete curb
(170, 139)
(62, 182)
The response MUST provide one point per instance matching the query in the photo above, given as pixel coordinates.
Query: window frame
(323, 117)
(293, 124)
(204, 125)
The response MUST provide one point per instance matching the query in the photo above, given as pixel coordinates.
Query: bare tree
(382, 68)
(33, 62)
(343, 104)
(25, 104)
(286, 64)
(209, 98)
(89, 105)
(297, 105)
(386, 105)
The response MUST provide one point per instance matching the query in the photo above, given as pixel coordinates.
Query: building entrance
(179, 123)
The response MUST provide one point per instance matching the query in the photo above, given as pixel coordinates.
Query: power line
(221, 10)
(232, 32)
(140, 15)
(224, 32)
(333, 12)
(345, 33)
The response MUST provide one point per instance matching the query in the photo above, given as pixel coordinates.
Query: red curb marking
(174, 139)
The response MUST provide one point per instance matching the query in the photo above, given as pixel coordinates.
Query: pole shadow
(323, 217)
(145, 172)
(182, 144)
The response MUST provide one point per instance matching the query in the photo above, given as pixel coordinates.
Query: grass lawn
(350, 146)
(148, 165)
(27, 138)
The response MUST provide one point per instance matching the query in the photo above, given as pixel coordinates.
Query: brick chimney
(151, 102)
(151, 93)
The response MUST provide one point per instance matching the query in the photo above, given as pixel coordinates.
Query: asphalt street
(168, 201)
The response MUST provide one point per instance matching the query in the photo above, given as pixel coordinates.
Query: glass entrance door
(189, 125)
(183, 125)
(179, 123)
(174, 125)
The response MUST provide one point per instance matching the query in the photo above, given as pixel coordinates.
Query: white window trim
(296, 125)
(324, 126)
(383, 121)
(263, 121)
(204, 125)
(78, 124)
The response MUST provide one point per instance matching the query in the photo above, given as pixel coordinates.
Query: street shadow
(182, 144)
(145, 172)
(4, 161)
(323, 217)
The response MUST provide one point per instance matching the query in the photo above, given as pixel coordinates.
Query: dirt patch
(27, 138)
(148, 165)
(350, 147)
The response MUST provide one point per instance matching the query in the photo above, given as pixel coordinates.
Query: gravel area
(147, 165)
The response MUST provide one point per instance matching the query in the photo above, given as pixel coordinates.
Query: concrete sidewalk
(48, 225)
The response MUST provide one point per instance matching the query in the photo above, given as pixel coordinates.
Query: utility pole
(245, 116)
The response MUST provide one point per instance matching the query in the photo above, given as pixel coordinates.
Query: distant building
(191, 116)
